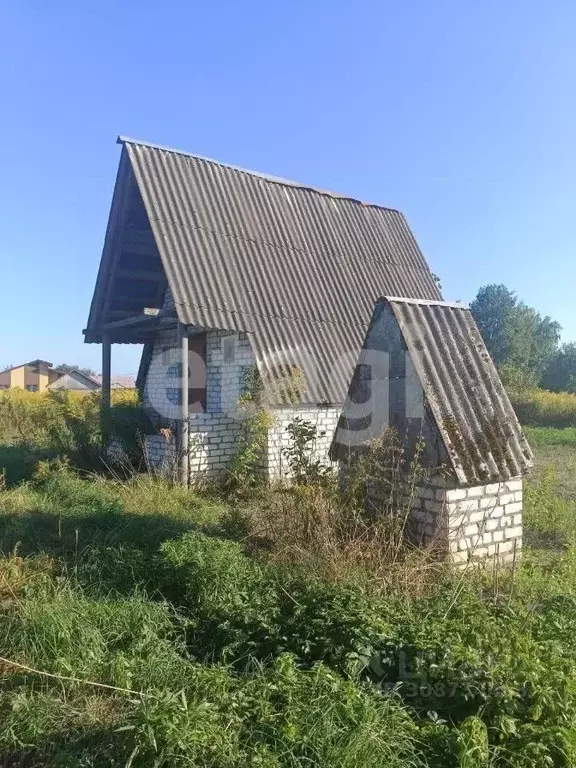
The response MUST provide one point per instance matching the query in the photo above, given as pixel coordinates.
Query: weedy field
(142, 624)
(555, 449)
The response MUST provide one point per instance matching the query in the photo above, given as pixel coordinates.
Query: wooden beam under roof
(125, 184)
(139, 274)
(138, 240)
(149, 315)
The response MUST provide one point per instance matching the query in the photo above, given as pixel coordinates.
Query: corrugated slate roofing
(473, 414)
(297, 268)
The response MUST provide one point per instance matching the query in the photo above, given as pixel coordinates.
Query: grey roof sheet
(297, 268)
(473, 414)
(68, 377)
(121, 381)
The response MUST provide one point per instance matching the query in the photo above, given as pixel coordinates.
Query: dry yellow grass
(26, 416)
(538, 407)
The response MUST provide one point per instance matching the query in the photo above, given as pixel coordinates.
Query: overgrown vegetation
(539, 408)
(143, 624)
(35, 425)
(305, 467)
(244, 471)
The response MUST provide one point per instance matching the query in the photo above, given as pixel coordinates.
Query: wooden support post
(183, 446)
(106, 386)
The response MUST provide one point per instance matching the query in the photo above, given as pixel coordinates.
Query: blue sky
(462, 115)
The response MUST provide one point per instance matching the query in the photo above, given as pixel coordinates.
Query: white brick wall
(213, 434)
(427, 504)
(476, 523)
(487, 522)
(324, 418)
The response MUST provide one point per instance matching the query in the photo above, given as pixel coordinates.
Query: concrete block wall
(325, 418)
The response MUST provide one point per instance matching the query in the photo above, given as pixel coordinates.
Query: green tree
(521, 341)
(560, 375)
(493, 309)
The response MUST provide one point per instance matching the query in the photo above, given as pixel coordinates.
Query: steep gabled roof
(297, 268)
(469, 407)
(76, 375)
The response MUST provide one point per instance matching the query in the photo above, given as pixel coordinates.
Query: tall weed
(64, 423)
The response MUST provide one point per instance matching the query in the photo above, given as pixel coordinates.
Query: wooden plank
(126, 182)
(120, 313)
(133, 304)
(126, 322)
(138, 240)
(139, 274)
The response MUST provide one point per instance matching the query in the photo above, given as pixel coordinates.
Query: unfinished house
(425, 373)
(220, 271)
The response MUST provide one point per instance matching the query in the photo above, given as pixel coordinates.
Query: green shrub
(305, 468)
(229, 597)
(241, 608)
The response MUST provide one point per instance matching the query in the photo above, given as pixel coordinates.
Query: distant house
(76, 381)
(79, 382)
(34, 376)
(119, 382)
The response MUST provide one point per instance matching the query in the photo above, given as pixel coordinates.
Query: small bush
(305, 467)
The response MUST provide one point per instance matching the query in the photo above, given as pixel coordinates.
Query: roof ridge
(426, 302)
(77, 370)
(266, 176)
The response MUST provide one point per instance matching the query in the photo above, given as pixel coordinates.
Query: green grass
(555, 449)
(218, 654)
(544, 436)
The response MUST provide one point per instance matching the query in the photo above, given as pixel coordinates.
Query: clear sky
(461, 114)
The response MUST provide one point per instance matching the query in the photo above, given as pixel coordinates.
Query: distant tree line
(524, 345)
